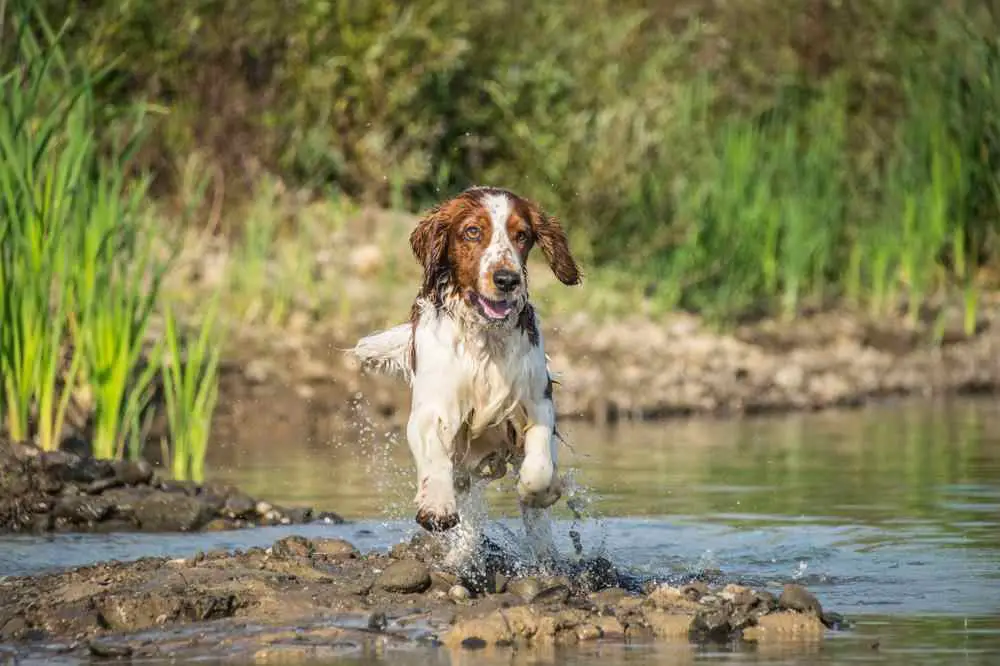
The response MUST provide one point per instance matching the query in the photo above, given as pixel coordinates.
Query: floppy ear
(429, 242)
(552, 239)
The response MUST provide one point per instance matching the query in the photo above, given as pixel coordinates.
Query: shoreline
(648, 370)
(300, 598)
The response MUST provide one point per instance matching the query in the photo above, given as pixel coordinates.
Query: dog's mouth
(493, 310)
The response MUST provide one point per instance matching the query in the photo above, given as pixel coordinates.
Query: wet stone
(797, 598)
(405, 576)
(292, 546)
(239, 506)
(554, 594)
(334, 548)
(170, 512)
(525, 588)
(133, 473)
(99, 486)
(83, 508)
(299, 515)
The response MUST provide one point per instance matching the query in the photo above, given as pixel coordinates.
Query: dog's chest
(493, 383)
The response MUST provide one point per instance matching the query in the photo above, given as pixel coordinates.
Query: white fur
(468, 381)
(387, 351)
(500, 249)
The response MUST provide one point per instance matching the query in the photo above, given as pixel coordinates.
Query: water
(891, 515)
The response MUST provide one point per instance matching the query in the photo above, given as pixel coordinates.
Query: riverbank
(304, 598)
(643, 368)
(63, 492)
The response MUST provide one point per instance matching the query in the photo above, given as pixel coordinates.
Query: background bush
(729, 154)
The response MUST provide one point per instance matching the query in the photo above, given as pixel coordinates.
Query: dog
(474, 356)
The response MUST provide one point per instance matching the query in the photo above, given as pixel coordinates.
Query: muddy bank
(63, 492)
(644, 369)
(302, 598)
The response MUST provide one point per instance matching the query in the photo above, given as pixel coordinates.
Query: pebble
(459, 593)
(405, 576)
(797, 598)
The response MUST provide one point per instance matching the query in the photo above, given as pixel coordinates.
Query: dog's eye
(473, 233)
(521, 238)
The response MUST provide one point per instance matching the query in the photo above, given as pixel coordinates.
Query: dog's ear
(551, 238)
(429, 242)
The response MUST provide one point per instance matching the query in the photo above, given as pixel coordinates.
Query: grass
(80, 277)
(190, 385)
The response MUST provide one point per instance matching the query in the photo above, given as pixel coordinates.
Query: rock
(106, 650)
(666, 597)
(405, 576)
(299, 515)
(124, 500)
(329, 517)
(82, 508)
(459, 593)
(13, 628)
(263, 508)
(239, 505)
(739, 595)
(797, 598)
(170, 512)
(334, 548)
(99, 486)
(695, 590)
(292, 546)
(526, 588)
(784, 625)
(669, 625)
(189, 488)
(133, 473)
(553, 594)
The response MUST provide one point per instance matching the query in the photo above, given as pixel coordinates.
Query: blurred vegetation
(726, 156)
(80, 274)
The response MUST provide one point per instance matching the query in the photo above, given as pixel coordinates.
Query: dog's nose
(506, 280)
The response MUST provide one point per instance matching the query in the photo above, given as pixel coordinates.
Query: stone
(553, 594)
(133, 473)
(405, 576)
(459, 593)
(669, 625)
(797, 598)
(239, 505)
(334, 548)
(82, 508)
(784, 625)
(170, 512)
(292, 546)
(526, 588)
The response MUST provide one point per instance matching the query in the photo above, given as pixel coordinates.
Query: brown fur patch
(527, 324)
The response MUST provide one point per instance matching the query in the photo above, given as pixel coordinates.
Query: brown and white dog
(474, 356)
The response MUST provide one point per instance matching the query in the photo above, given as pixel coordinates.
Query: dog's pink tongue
(495, 310)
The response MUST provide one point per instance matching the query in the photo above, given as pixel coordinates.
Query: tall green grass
(79, 275)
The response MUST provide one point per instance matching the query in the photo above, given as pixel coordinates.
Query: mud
(313, 598)
(63, 492)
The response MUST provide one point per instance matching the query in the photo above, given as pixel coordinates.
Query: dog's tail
(387, 351)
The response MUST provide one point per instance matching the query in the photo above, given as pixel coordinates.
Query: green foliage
(732, 155)
(79, 276)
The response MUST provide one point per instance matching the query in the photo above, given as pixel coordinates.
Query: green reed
(190, 383)
(80, 274)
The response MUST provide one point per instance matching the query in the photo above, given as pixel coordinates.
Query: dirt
(64, 492)
(312, 598)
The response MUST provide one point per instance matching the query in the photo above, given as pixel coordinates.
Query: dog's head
(477, 245)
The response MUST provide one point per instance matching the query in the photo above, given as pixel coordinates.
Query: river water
(890, 514)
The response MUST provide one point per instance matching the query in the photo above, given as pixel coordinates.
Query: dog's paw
(540, 499)
(437, 521)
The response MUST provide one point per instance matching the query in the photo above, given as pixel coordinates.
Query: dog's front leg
(431, 432)
(538, 480)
